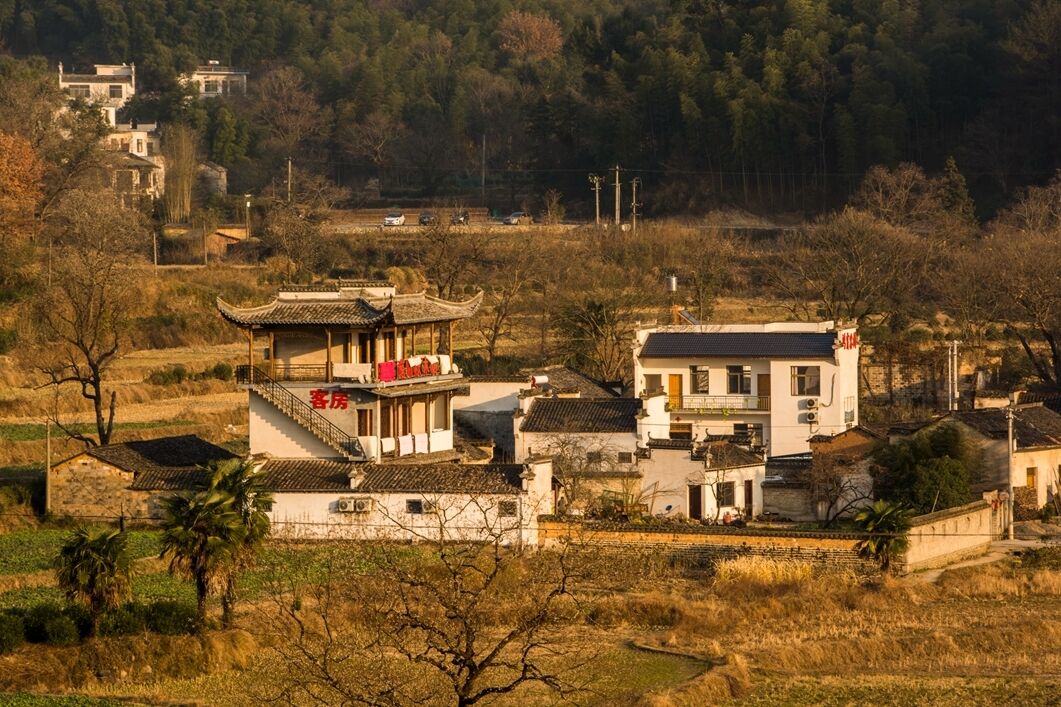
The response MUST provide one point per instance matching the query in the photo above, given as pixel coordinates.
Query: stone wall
(941, 538)
(709, 544)
(85, 487)
(788, 501)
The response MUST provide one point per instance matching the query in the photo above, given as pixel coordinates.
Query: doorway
(749, 499)
(696, 502)
(674, 390)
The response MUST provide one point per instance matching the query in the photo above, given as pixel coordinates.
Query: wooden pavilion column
(328, 355)
(250, 347)
(432, 350)
(449, 338)
(272, 354)
(412, 344)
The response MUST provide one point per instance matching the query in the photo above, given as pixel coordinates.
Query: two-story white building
(213, 80)
(776, 384)
(350, 389)
(110, 87)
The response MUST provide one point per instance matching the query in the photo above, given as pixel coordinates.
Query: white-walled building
(110, 87)
(350, 414)
(776, 384)
(213, 80)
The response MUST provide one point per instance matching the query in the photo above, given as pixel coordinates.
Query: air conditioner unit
(355, 505)
(812, 403)
(812, 417)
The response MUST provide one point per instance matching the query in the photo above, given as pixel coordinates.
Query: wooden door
(762, 385)
(749, 498)
(674, 390)
(696, 501)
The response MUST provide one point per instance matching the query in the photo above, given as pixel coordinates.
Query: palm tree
(201, 536)
(886, 525)
(93, 568)
(242, 482)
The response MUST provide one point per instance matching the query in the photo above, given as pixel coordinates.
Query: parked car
(459, 218)
(427, 218)
(394, 218)
(516, 218)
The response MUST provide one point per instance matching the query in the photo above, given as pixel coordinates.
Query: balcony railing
(719, 403)
(298, 371)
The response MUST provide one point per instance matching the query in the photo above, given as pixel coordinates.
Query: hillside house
(109, 87)
(212, 80)
(349, 388)
(778, 385)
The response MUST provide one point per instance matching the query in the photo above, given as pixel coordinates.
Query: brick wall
(87, 487)
(788, 501)
(710, 544)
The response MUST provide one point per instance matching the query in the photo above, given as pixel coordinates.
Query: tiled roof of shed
(356, 311)
(738, 344)
(725, 455)
(585, 415)
(324, 476)
(164, 464)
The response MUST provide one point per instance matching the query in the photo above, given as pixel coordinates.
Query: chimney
(357, 477)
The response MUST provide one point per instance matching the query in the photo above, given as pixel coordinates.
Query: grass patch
(23, 699)
(902, 690)
(762, 570)
(29, 432)
(33, 550)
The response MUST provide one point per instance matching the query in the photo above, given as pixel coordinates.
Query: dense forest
(778, 105)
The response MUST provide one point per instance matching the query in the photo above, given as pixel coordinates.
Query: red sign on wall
(403, 370)
(319, 400)
(849, 340)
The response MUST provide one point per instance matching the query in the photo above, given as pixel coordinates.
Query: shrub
(36, 619)
(170, 617)
(61, 631)
(79, 614)
(123, 621)
(174, 375)
(8, 338)
(12, 632)
(222, 371)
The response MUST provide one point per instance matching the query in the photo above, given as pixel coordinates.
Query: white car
(394, 219)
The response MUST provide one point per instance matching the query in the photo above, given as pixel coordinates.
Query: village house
(347, 380)
(778, 385)
(833, 480)
(488, 402)
(125, 480)
(213, 80)
(1031, 467)
(109, 87)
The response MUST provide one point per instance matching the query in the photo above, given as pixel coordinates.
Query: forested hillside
(773, 105)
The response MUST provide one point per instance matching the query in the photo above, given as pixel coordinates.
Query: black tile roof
(164, 464)
(356, 311)
(1050, 400)
(654, 443)
(585, 415)
(726, 455)
(326, 476)
(738, 345)
(1033, 425)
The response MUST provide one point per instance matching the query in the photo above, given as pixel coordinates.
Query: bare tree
(84, 314)
(835, 482)
(294, 231)
(372, 138)
(849, 266)
(180, 144)
(594, 334)
(450, 255)
(288, 110)
(528, 37)
(501, 301)
(585, 465)
(451, 621)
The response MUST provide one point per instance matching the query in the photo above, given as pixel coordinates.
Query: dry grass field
(753, 633)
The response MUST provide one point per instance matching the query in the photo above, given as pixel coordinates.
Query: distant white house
(109, 87)
(778, 384)
(213, 80)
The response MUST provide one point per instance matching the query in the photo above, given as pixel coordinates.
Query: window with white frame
(806, 380)
(700, 380)
(739, 380)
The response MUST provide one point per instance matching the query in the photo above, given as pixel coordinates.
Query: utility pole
(482, 177)
(634, 184)
(48, 467)
(618, 197)
(154, 248)
(596, 182)
(247, 199)
(1010, 449)
(289, 180)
